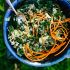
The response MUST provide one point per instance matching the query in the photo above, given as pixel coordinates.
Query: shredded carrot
(63, 48)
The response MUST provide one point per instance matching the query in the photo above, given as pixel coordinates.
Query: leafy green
(2, 8)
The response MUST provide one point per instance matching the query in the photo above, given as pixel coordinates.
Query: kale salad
(35, 32)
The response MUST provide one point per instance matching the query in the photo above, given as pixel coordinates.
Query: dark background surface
(10, 64)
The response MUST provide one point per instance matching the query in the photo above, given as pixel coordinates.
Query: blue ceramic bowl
(25, 61)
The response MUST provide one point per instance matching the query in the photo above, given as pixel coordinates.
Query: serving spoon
(20, 15)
